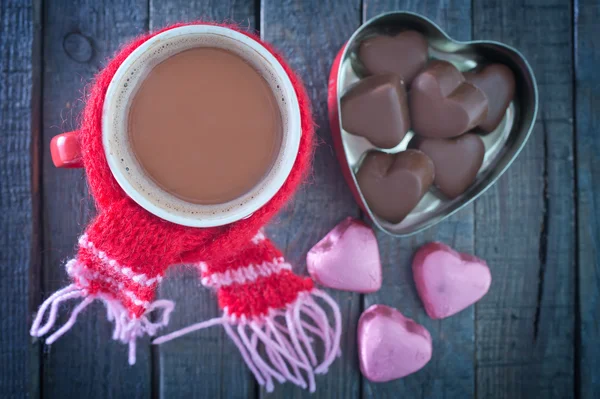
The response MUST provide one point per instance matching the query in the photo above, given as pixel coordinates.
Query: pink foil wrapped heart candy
(390, 345)
(347, 258)
(448, 281)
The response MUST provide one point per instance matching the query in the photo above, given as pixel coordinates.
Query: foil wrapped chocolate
(448, 281)
(390, 345)
(347, 258)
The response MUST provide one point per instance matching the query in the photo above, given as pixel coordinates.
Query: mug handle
(65, 151)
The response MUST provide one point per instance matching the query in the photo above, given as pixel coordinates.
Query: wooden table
(534, 335)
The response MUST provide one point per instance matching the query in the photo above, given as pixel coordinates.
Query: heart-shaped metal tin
(501, 146)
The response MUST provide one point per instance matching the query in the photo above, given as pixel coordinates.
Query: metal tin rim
(447, 37)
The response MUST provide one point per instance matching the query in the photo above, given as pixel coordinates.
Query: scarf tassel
(280, 346)
(127, 328)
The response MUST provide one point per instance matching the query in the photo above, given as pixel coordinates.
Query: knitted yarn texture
(273, 316)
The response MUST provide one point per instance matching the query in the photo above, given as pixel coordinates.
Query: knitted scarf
(273, 316)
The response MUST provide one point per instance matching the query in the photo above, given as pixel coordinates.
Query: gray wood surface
(536, 333)
(451, 372)
(206, 363)
(587, 126)
(78, 38)
(525, 223)
(19, 192)
(309, 34)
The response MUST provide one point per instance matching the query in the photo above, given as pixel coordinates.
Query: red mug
(65, 151)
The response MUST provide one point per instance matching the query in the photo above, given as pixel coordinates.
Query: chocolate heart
(502, 147)
(390, 345)
(403, 55)
(497, 81)
(456, 161)
(376, 108)
(442, 104)
(393, 184)
(448, 281)
(347, 258)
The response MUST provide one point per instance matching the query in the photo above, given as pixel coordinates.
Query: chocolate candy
(376, 108)
(497, 81)
(456, 161)
(390, 345)
(442, 104)
(393, 184)
(448, 281)
(404, 55)
(347, 258)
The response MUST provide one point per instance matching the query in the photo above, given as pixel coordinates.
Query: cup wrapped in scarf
(274, 317)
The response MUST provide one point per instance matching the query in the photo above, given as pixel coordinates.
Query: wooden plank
(165, 12)
(587, 126)
(450, 372)
(525, 223)
(19, 195)
(78, 40)
(207, 357)
(309, 34)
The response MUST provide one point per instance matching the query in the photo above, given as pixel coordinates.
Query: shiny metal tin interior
(502, 146)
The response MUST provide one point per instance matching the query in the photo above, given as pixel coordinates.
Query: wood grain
(19, 196)
(532, 336)
(450, 373)
(587, 126)
(525, 223)
(309, 34)
(208, 357)
(78, 38)
(165, 12)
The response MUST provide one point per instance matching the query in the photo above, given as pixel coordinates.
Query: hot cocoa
(205, 126)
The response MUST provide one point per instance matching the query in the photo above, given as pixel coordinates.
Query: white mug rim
(269, 188)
